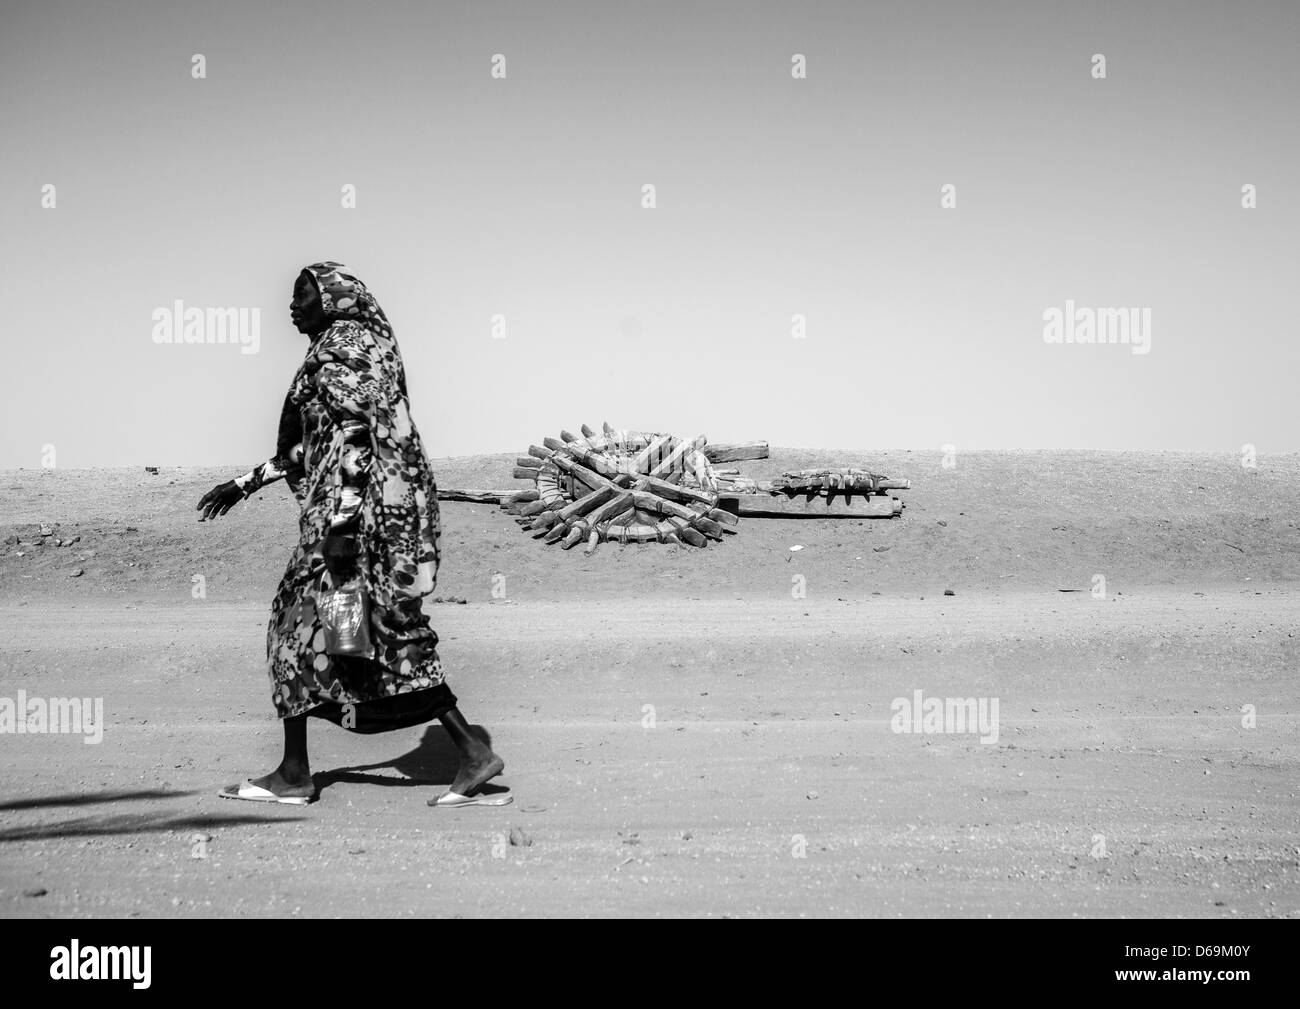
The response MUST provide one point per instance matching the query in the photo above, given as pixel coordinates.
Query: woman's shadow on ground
(434, 761)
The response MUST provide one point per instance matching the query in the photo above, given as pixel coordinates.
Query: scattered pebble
(796, 548)
(46, 531)
(812, 795)
(76, 573)
(880, 550)
(36, 891)
(949, 592)
(519, 838)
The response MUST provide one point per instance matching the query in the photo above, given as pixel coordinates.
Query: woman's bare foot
(299, 785)
(478, 764)
(476, 770)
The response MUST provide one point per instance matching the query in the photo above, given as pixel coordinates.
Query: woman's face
(306, 310)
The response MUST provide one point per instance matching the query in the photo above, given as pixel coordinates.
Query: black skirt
(384, 714)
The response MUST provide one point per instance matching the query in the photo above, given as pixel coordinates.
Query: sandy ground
(683, 737)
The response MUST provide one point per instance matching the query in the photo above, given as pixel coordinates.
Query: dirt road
(688, 756)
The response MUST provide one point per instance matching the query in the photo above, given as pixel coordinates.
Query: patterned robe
(363, 464)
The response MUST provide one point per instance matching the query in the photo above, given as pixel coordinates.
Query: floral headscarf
(343, 296)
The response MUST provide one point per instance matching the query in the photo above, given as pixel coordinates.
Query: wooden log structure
(643, 486)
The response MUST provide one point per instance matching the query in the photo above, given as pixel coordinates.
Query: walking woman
(356, 464)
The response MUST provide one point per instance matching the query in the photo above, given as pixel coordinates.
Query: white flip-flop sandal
(451, 800)
(256, 793)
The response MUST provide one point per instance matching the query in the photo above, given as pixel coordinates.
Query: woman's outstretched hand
(219, 500)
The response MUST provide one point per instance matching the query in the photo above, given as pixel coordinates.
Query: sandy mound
(997, 520)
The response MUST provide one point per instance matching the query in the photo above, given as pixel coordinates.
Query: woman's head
(306, 309)
(327, 291)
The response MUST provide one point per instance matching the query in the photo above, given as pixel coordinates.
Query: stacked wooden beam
(628, 486)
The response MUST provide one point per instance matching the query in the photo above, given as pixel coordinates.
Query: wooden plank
(699, 465)
(575, 450)
(528, 462)
(535, 508)
(650, 456)
(735, 453)
(480, 496)
(609, 510)
(587, 502)
(576, 470)
(723, 516)
(524, 473)
(780, 506)
(742, 485)
(575, 507)
(674, 461)
(672, 491)
(647, 501)
(692, 536)
(543, 522)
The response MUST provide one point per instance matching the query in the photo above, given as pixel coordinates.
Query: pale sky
(775, 197)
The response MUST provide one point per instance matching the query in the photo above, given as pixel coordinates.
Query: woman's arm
(259, 476)
(225, 496)
(275, 468)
